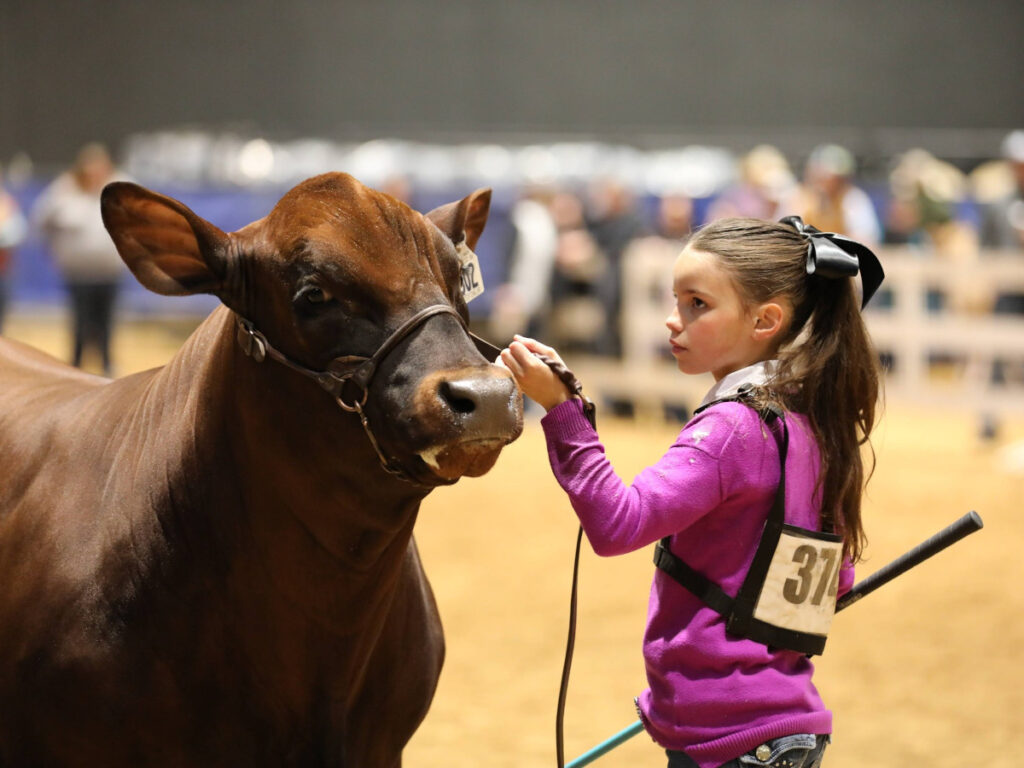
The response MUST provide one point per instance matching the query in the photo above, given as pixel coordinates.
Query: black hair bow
(834, 256)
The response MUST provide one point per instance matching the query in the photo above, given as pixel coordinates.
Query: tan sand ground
(927, 671)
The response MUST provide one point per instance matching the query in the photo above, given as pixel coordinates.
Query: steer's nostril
(459, 395)
(477, 406)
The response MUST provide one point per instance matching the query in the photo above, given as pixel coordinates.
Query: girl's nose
(673, 322)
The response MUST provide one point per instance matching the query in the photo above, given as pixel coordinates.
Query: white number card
(799, 591)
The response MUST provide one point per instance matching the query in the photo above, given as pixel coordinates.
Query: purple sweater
(711, 695)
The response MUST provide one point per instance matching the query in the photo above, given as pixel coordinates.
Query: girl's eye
(698, 303)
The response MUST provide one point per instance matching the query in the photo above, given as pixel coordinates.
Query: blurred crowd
(565, 262)
(568, 217)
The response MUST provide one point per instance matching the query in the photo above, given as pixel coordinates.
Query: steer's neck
(303, 507)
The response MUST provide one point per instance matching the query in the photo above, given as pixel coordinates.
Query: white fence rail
(947, 357)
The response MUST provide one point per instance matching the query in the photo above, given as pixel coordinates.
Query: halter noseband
(354, 370)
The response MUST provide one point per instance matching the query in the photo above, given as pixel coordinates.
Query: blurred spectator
(926, 195)
(1003, 211)
(765, 180)
(1002, 194)
(577, 318)
(12, 232)
(519, 302)
(999, 188)
(67, 214)
(399, 187)
(675, 218)
(614, 222)
(829, 199)
(673, 226)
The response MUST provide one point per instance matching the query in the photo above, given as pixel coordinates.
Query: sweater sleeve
(668, 497)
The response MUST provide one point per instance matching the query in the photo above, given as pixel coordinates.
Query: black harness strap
(741, 616)
(700, 585)
(738, 611)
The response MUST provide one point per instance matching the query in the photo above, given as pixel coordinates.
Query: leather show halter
(347, 378)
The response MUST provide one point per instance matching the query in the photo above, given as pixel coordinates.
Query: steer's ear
(167, 247)
(464, 219)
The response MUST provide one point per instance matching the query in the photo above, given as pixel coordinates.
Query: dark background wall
(875, 74)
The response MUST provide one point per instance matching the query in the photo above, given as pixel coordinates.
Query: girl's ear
(769, 320)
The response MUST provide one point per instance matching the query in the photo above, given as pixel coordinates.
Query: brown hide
(205, 564)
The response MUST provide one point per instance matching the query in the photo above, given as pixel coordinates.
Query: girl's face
(711, 328)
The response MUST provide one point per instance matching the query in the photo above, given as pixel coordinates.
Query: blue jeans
(801, 750)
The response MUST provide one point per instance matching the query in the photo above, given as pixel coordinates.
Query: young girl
(773, 312)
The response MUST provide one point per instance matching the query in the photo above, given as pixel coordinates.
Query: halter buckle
(251, 341)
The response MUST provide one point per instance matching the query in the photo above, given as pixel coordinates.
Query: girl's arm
(664, 499)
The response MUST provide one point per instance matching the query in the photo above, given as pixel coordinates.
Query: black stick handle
(966, 525)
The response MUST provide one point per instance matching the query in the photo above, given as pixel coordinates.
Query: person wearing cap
(1003, 216)
(831, 201)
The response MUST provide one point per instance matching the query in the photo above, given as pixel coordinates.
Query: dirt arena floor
(928, 671)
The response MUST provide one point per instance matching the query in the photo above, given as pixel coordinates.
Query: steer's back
(41, 399)
(33, 383)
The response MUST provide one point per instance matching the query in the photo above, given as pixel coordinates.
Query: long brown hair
(828, 368)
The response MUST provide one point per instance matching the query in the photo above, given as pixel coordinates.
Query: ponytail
(832, 376)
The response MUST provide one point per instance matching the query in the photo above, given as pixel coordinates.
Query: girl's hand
(533, 376)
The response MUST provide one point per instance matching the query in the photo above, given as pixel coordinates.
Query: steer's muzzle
(485, 407)
(476, 411)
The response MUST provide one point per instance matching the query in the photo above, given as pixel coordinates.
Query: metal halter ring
(357, 405)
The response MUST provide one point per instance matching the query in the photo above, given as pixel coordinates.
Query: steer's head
(332, 272)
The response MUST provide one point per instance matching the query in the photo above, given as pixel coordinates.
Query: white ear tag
(471, 279)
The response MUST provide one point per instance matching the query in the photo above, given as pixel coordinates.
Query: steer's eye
(313, 294)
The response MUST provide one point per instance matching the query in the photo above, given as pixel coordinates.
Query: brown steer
(208, 564)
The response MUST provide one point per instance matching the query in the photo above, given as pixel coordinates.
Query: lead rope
(576, 390)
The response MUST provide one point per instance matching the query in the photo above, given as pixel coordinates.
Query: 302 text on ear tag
(471, 279)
